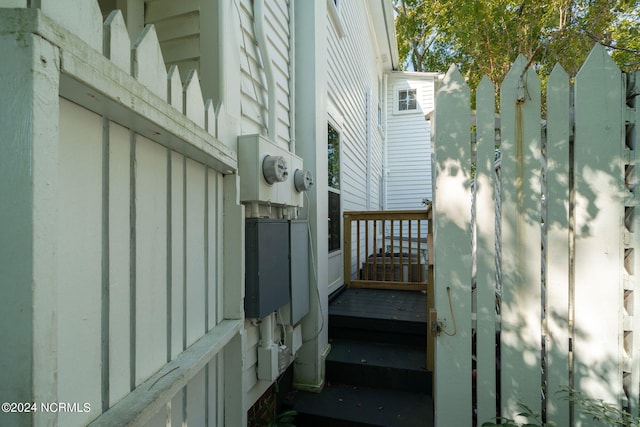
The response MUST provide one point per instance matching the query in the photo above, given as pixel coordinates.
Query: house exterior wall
(408, 167)
(253, 79)
(131, 228)
(354, 77)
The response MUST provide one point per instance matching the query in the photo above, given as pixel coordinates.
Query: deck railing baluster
(374, 259)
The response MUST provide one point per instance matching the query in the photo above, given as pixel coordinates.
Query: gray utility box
(267, 266)
(299, 270)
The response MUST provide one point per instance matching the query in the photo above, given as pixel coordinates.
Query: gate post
(452, 252)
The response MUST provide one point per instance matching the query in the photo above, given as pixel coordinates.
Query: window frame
(332, 190)
(407, 99)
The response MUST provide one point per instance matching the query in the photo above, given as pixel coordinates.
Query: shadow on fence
(536, 250)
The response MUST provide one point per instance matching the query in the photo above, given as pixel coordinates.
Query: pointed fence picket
(536, 244)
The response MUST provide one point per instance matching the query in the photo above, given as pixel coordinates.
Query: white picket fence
(132, 303)
(541, 278)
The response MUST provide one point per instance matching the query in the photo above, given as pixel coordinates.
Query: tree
(485, 36)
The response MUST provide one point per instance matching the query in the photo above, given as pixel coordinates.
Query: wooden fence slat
(557, 249)
(79, 259)
(485, 258)
(211, 198)
(452, 247)
(599, 215)
(210, 117)
(147, 64)
(117, 46)
(635, 243)
(177, 253)
(83, 19)
(151, 257)
(195, 199)
(193, 101)
(119, 262)
(521, 255)
(174, 92)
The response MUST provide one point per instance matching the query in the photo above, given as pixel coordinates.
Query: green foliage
(526, 412)
(281, 419)
(483, 37)
(596, 409)
(599, 410)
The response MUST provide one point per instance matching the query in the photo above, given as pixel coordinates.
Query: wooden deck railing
(388, 249)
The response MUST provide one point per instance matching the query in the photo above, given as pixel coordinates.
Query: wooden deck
(409, 306)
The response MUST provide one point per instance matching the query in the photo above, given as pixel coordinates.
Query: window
(333, 157)
(407, 100)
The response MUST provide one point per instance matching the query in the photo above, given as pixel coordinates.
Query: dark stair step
(378, 365)
(390, 331)
(347, 405)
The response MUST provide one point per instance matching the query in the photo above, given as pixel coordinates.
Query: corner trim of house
(316, 388)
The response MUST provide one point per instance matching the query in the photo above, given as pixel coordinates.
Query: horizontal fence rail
(387, 249)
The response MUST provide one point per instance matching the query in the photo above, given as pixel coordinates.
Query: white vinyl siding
(254, 97)
(353, 73)
(409, 145)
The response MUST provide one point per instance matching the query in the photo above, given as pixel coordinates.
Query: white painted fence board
(196, 405)
(193, 103)
(84, 19)
(174, 92)
(195, 295)
(216, 392)
(210, 117)
(485, 252)
(146, 400)
(213, 220)
(452, 242)
(521, 256)
(80, 257)
(177, 411)
(117, 45)
(177, 254)
(147, 64)
(599, 214)
(158, 420)
(233, 249)
(151, 257)
(119, 262)
(635, 279)
(557, 248)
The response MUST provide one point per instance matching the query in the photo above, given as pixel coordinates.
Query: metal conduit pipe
(258, 20)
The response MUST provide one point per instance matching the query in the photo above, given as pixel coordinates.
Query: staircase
(375, 372)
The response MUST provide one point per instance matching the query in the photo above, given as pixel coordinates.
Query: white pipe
(292, 77)
(258, 19)
(266, 331)
(385, 170)
(255, 210)
(369, 155)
